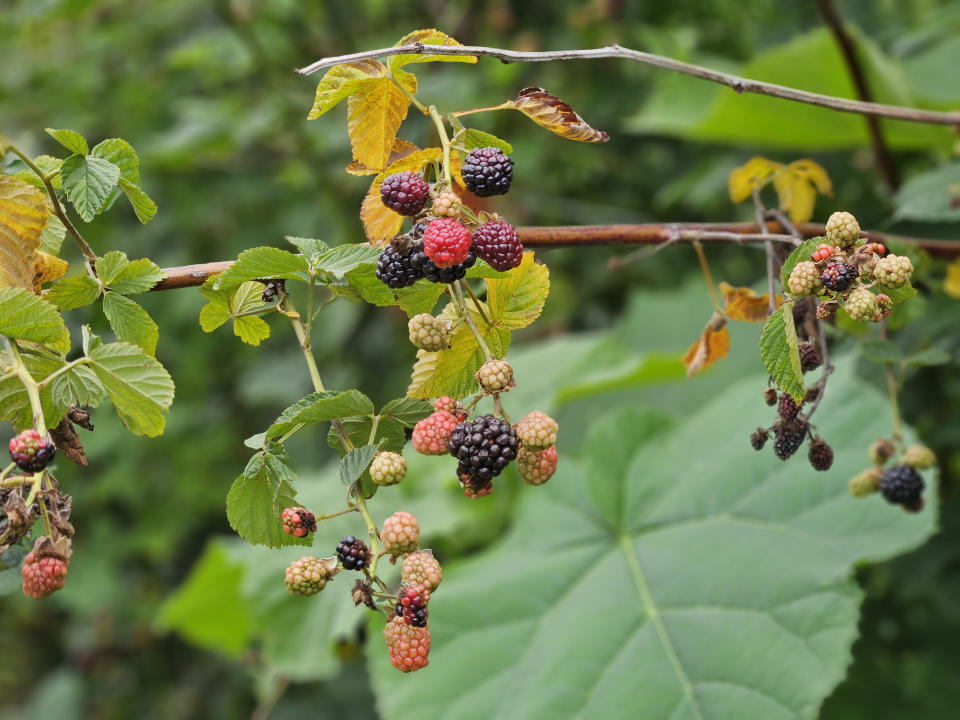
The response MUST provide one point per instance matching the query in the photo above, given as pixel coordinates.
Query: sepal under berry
(400, 533)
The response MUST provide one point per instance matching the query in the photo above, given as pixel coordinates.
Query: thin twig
(738, 84)
(760, 212)
(781, 217)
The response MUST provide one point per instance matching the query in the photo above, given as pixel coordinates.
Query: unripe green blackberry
(536, 466)
(804, 279)
(388, 468)
(428, 332)
(446, 204)
(537, 431)
(893, 270)
(881, 450)
(306, 576)
(495, 376)
(421, 569)
(861, 304)
(920, 457)
(400, 533)
(866, 482)
(842, 229)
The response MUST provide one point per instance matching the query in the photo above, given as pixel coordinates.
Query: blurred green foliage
(205, 93)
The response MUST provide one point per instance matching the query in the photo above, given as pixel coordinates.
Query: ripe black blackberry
(902, 485)
(395, 268)
(788, 408)
(405, 192)
(484, 446)
(487, 171)
(820, 455)
(810, 358)
(499, 244)
(759, 438)
(838, 276)
(352, 553)
(788, 437)
(424, 265)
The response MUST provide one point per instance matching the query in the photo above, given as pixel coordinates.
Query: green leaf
(344, 258)
(421, 297)
(209, 609)
(263, 263)
(120, 153)
(139, 387)
(801, 253)
(232, 303)
(722, 577)
(928, 357)
(131, 322)
(931, 196)
(364, 280)
(407, 411)
(473, 139)
(71, 140)
(51, 237)
(311, 248)
(144, 207)
(257, 498)
(78, 386)
(88, 182)
(899, 294)
(482, 270)
(355, 463)
(14, 402)
(127, 277)
(320, 407)
(778, 348)
(516, 299)
(390, 433)
(25, 316)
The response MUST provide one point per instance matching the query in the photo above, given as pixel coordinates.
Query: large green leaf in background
(665, 574)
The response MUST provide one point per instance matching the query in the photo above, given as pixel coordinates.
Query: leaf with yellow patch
(23, 215)
(797, 186)
(742, 303)
(517, 298)
(555, 115)
(375, 111)
(712, 345)
(340, 81)
(427, 37)
(380, 223)
(47, 268)
(951, 286)
(753, 174)
(401, 148)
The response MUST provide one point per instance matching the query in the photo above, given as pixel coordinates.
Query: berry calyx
(426, 267)
(537, 431)
(404, 192)
(446, 204)
(759, 438)
(499, 244)
(306, 576)
(838, 276)
(432, 434)
(820, 455)
(810, 358)
(487, 171)
(400, 533)
(31, 451)
(902, 485)
(446, 242)
(408, 645)
(842, 229)
(536, 466)
(428, 332)
(484, 446)
(43, 575)
(788, 408)
(395, 268)
(352, 553)
(788, 437)
(298, 521)
(893, 271)
(804, 279)
(495, 376)
(920, 457)
(412, 605)
(861, 304)
(421, 569)
(388, 468)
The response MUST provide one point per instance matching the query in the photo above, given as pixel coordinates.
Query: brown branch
(738, 84)
(848, 49)
(558, 236)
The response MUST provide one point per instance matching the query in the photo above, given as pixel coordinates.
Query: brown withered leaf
(23, 214)
(742, 303)
(47, 268)
(712, 345)
(67, 441)
(555, 115)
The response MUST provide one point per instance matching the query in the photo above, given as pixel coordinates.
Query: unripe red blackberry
(804, 279)
(298, 521)
(306, 576)
(902, 485)
(842, 229)
(484, 446)
(426, 267)
(759, 438)
(875, 248)
(820, 455)
(352, 553)
(920, 457)
(445, 402)
(408, 645)
(43, 575)
(495, 376)
(838, 276)
(446, 242)
(428, 332)
(395, 267)
(405, 192)
(31, 451)
(788, 408)
(861, 304)
(446, 204)
(536, 466)
(388, 468)
(788, 437)
(537, 431)
(499, 244)
(421, 569)
(400, 533)
(866, 482)
(412, 605)
(884, 304)
(432, 434)
(487, 171)
(810, 358)
(893, 270)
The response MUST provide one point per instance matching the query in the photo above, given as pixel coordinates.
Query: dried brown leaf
(555, 115)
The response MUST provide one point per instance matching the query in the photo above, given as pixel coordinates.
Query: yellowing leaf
(755, 173)
(555, 115)
(401, 148)
(517, 299)
(380, 223)
(375, 111)
(951, 286)
(712, 345)
(427, 37)
(797, 187)
(742, 303)
(23, 215)
(340, 81)
(47, 268)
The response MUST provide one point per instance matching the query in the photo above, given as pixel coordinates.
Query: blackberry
(788, 438)
(810, 358)
(272, 289)
(412, 606)
(770, 396)
(837, 276)
(842, 229)
(902, 485)
(352, 553)
(31, 451)
(820, 455)
(788, 408)
(405, 193)
(484, 446)
(759, 438)
(425, 267)
(499, 244)
(487, 171)
(395, 267)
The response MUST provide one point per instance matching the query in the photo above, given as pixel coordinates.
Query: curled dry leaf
(68, 442)
(555, 115)
(742, 303)
(23, 215)
(712, 345)
(47, 268)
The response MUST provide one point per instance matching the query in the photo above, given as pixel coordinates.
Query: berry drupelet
(426, 267)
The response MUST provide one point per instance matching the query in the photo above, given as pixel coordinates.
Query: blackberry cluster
(838, 276)
(788, 437)
(352, 553)
(487, 171)
(405, 193)
(426, 268)
(395, 266)
(484, 446)
(499, 244)
(902, 485)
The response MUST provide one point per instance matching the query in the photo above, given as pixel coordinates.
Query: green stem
(34, 489)
(468, 318)
(477, 303)
(336, 514)
(894, 389)
(445, 142)
(30, 385)
(7, 470)
(416, 103)
(66, 368)
(508, 105)
(361, 505)
(48, 531)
